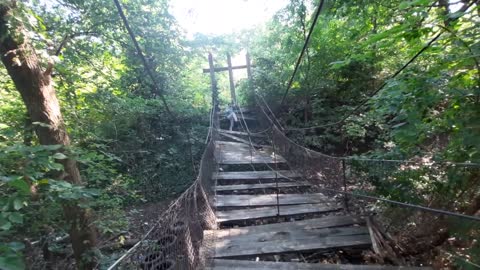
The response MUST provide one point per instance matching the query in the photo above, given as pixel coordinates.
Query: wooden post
(249, 71)
(215, 104)
(230, 77)
(249, 67)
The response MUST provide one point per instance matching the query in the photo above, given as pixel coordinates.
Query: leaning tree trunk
(35, 86)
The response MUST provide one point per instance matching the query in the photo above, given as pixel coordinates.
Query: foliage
(131, 151)
(427, 112)
(128, 148)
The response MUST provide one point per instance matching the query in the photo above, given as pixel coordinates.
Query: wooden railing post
(230, 77)
(214, 89)
(345, 188)
(249, 71)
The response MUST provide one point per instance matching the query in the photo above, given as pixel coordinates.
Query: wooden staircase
(268, 219)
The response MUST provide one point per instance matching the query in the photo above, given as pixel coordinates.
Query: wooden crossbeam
(220, 69)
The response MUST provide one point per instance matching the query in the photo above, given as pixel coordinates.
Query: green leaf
(16, 246)
(6, 226)
(59, 156)
(17, 204)
(16, 218)
(12, 262)
(21, 185)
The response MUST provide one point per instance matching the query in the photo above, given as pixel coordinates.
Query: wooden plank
(225, 250)
(242, 133)
(224, 264)
(249, 70)
(245, 237)
(230, 78)
(240, 139)
(241, 153)
(252, 175)
(281, 185)
(272, 211)
(305, 235)
(307, 224)
(268, 199)
(240, 116)
(230, 145)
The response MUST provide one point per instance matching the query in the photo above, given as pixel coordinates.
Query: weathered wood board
(224, 264)
(299, 236)
(242, 133)
(273, 211)
(250, 175)
(269, 200)
(281, 185)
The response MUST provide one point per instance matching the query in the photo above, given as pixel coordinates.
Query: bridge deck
(225, 264)
(316, 231)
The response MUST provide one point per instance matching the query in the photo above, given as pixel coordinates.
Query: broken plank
(268, 199)
(307, 224)
(224, 264)
(274, 211)
(298, 236)
(224, 249)
(262, 186)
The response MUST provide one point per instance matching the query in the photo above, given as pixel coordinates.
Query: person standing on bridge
(231, 115)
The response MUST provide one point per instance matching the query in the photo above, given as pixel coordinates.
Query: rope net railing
(176, 240)
(420, 206)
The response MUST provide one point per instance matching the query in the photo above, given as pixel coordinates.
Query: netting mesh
(176, 240)
(421, 206)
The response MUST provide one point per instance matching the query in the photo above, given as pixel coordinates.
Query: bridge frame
(212, 70)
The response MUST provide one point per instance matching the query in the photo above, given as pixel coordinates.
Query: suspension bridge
(262, 201)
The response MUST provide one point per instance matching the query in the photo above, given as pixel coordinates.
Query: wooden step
(274, 211)
(269, 200)
(255, 175)
(243, 153)
(240, 117)
(289, 237)
(247, 157)
(238, 139)
(281, 185)
(224, 264)
(242, 133)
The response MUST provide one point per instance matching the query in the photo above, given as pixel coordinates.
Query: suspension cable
(142, 57)
(304, 49)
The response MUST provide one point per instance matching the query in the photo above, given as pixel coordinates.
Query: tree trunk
(35, 86)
